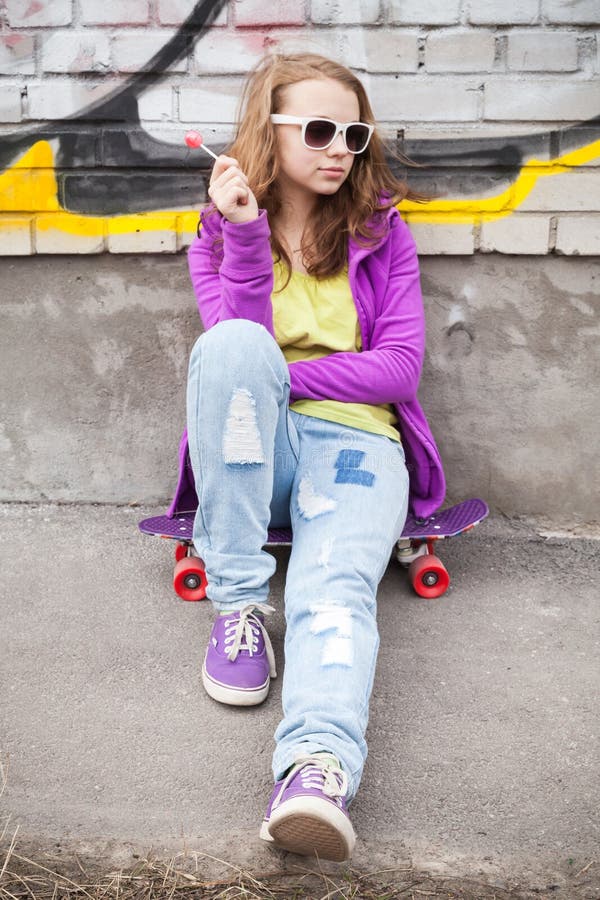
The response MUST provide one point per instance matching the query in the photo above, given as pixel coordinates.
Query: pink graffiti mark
(258, 41)
(13, 40)
(84, 61)
(34, 7)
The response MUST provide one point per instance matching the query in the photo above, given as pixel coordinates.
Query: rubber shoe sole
(234, 696)
(309, 826)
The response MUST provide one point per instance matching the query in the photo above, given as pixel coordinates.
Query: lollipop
(194, 140)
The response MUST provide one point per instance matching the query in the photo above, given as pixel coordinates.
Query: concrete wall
(498, 100)
(95, 356)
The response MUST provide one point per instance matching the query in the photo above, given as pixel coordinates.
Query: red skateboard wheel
(189, 579)
(429, 576)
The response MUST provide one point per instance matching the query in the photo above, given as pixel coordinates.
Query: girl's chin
(329, 188)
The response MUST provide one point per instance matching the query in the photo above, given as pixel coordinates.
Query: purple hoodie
(385, 284)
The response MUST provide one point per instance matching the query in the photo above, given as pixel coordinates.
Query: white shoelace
(319, 774)
(243, 634)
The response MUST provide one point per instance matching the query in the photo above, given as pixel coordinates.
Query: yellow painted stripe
(497, 207)
(30, 186)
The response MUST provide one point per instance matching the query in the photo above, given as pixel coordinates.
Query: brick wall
(497, 98)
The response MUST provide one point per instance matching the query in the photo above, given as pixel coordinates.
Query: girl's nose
(338, 147)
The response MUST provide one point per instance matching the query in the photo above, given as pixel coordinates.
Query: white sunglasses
(319, 134)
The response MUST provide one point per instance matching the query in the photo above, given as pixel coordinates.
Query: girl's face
(308, 171)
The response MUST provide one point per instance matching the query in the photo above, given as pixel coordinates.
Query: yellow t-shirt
(316, 317)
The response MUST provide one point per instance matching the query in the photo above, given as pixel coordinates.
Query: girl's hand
(230, 193)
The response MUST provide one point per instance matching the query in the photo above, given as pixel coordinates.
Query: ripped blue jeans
(343, 491)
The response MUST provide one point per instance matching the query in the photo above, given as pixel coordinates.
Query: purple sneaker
(239, 661)
(307, 811)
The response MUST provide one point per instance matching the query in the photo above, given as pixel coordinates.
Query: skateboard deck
(414, 549)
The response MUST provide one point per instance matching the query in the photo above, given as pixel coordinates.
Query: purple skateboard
(414, 550)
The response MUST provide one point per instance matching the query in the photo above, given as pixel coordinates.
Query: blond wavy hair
(358, 208)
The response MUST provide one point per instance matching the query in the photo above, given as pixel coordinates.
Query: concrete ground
(484, 730)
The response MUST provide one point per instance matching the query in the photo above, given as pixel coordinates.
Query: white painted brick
(571, 191)
(347, 12)
(50, 239)
(517, 234)
(436, 99)
(175, 12)
(76, 51)
(187, 225)
(380, 50)
(15, 236)
(578, 235)
(363, 49)
(539, 51)
(41, 14)
(221, 52)
(17, 54)
(349, 46)
(417, 12)
(507, 12)
(328, 42)
(442, 240)
(460, 51)
(132, 51)
(114, 12)
(157, 104)
(275, 12)
(127, 235)
(10, 104)
(215, 103)
(574, 12)
(540, 99)
(59, 99)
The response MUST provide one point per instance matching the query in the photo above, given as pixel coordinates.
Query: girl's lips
(332, 170)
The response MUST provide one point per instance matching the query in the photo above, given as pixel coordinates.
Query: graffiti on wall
(100, 170)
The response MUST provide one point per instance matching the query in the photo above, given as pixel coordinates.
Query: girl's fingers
(222, 163)
(241, 196)
(229, 175)
(225, 168)
(220, 192)
(230, 192)
(233, 176)
(228, 197)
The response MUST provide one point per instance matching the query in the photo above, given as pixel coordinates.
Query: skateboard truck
(414, 550)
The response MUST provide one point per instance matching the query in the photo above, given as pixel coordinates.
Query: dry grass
(180, 878)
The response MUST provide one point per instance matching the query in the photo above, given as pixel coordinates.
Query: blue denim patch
(348, 469)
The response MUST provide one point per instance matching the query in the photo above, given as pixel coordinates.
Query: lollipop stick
(207, 150)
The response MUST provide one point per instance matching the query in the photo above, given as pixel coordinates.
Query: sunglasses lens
(319, 133)
(357, 138)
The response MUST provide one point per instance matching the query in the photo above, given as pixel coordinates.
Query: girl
(301, 410)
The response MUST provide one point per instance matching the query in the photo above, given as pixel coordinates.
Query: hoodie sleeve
(389, 370)
(232, 279)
